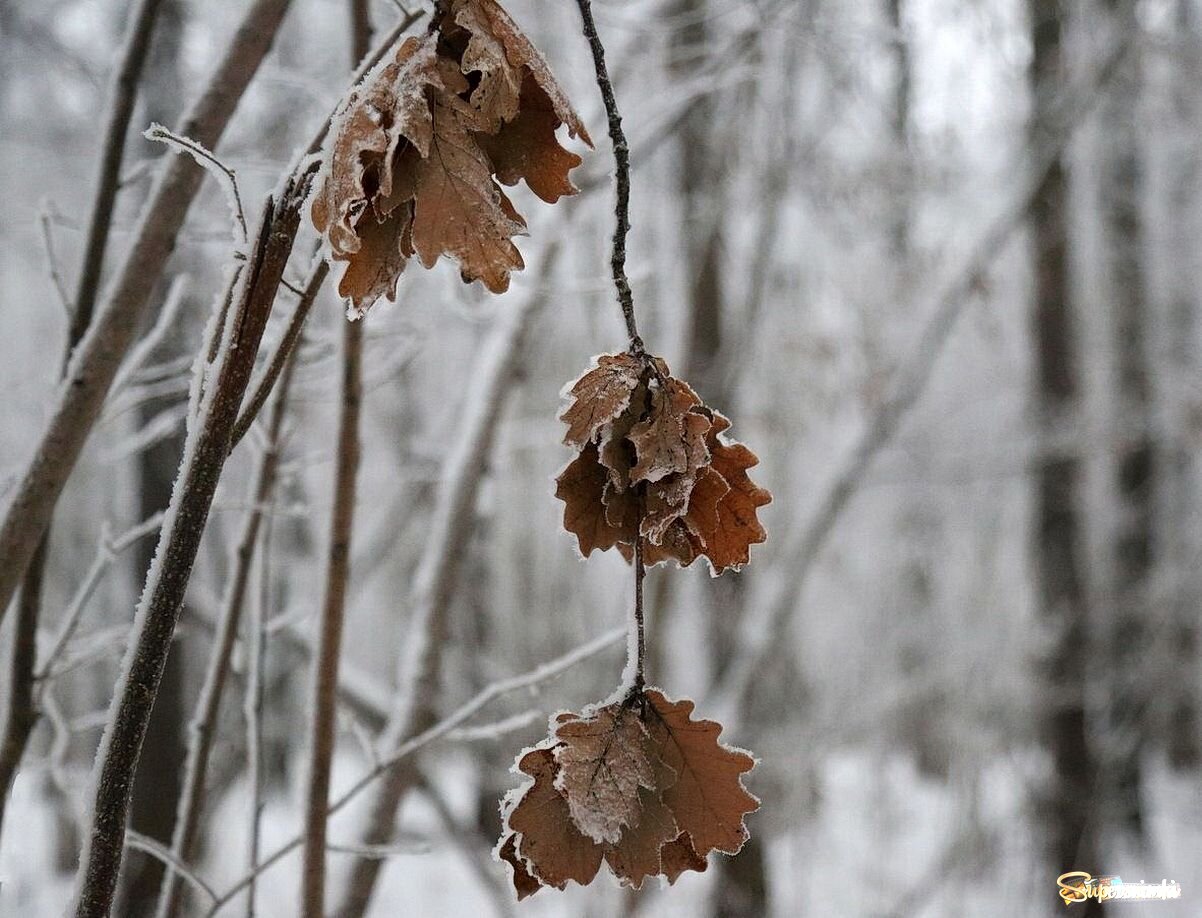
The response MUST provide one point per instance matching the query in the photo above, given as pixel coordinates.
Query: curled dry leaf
(417, 149)
(637, 784)
(654, 461)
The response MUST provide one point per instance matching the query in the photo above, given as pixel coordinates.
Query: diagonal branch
(205, 452)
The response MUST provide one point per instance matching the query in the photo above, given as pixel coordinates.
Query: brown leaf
(656, 784)
(637, 855)
(617, 452)
(385, 246)
(677, 856)
(728, 543)
(672, 436)
(548, 840)
(458, 209)
(581, 486)
(524, 882)
(526, 148)
(599, 396)
(602, 766)
(700, 779)
(504, 57)
(667, 501)
(417, 133)
(702, 516)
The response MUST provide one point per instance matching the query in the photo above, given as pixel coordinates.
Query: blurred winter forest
(939, 261)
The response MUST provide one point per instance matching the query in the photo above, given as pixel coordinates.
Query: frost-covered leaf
(671, 438)
(600, 396)
(700, 779)
(637, 783)
(417, 149)
(602, 765)
(672, 475)
(581, 486)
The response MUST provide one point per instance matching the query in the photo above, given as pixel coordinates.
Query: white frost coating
(208, 161)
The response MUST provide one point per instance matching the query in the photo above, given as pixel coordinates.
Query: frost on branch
(655, 462)
(637, 784)
(419, 150)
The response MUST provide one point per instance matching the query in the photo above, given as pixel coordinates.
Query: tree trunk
(1137, 461)
(1060, 588)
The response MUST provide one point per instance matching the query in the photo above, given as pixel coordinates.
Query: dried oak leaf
(547, 839)
(657, 786)
(729, 538)
(599, 396)
(672, 475)
(699, 778)
(385, 114)
(581, 486)
(672, 436)
(458, 208)
(602, 765)
(418, 147)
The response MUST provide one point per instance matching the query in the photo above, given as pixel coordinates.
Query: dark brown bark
(179, 542)
(21, 715)
(1065, 805)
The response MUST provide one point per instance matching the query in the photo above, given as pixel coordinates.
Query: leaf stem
(640, 572)
(621, 177)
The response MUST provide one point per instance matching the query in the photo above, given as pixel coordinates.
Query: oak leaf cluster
(637, 784)
(655, 463)
(419, 151)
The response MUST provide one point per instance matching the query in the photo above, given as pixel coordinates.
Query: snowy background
(812, 180)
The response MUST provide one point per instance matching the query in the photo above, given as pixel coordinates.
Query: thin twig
(170, 862)
(208, 161)
(338, 566)
(621, 177)
(291, 336)
(439, 730)
(56, 277)
(107, 552)
(123, 95)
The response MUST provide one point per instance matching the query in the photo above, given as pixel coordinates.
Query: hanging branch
(625, 299)
(204, 457)
(338, 562)
(621, 177)
(204, 721)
